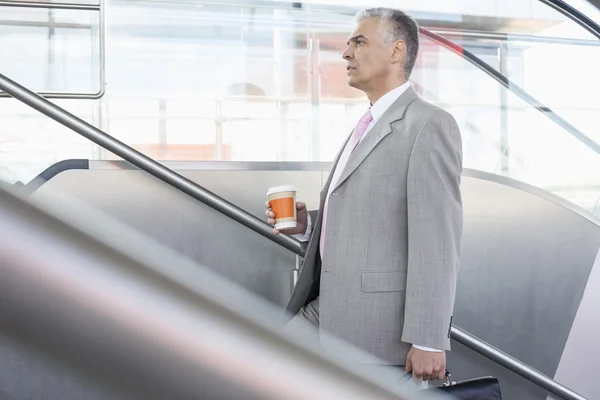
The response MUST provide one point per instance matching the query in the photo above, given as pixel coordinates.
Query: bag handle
(448, 379)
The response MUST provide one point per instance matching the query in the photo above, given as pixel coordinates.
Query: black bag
(485, 388)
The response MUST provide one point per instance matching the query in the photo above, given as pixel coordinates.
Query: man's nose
(347, 54)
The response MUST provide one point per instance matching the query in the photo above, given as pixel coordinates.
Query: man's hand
(426, 365)
(301, 222)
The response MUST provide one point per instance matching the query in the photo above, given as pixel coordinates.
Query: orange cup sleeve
(283, 208)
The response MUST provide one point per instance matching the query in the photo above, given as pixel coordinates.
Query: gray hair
(396, 25)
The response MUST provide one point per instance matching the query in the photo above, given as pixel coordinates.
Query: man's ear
(398, 51)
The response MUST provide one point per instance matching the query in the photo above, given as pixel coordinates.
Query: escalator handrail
(575, 15)
(146, 163)
(513, 87)
(512, 364)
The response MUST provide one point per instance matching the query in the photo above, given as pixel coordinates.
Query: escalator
(537, 333)
(92, 302)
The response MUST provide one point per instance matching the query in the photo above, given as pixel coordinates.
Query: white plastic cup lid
(283, 188)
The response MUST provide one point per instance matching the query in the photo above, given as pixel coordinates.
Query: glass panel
(548, 55)
(30, 142)
(135, 131)
(252, 140)
(503, 134)
(193, 139)
(540, 69)
(240, 66)
(63, 49)
(266, 81)
(119, 107)
(186, 107)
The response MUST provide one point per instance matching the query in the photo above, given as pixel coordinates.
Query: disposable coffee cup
(283, 204)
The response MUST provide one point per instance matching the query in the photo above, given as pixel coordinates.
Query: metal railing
(146, 163)
(100, 8)
(250, 221)
(512, 364)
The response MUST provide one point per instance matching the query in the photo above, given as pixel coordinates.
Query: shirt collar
(387, 100)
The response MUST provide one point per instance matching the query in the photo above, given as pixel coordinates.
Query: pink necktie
(358, 133)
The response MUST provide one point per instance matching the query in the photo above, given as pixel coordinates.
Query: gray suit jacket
(392, 249)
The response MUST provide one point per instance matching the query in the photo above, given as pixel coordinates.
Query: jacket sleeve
(435, 223)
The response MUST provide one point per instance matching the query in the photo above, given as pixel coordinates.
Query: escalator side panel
(526, 256)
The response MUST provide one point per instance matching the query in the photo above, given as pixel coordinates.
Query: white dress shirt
(377, 111)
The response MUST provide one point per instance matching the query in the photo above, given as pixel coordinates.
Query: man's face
(367, 58)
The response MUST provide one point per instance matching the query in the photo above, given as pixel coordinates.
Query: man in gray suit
(381, 266)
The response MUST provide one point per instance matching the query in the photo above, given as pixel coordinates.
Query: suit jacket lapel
(333, 167)
(317, 223)
(378, 132)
